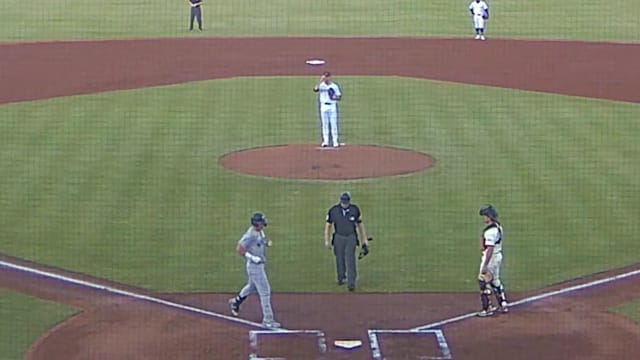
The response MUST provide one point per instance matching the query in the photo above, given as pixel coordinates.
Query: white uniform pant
(493, 267)
(259, 283)
(329, 123)
(478, 22)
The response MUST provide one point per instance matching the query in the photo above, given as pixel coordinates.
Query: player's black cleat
(235, 308)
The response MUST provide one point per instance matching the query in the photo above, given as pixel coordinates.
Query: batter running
(252, 246)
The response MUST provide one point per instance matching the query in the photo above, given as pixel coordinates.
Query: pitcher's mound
(305, 161)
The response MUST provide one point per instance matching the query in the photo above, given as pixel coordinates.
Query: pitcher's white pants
(329, 122)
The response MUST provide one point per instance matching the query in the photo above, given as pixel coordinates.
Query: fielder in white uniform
(328, 96)
(489, 276)
(479, 14)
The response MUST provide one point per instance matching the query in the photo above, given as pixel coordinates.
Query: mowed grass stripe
(130, 188)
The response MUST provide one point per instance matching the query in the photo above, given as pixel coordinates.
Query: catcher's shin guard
(499, 292)
(484, 294)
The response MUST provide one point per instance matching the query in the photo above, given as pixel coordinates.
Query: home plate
(347, 344)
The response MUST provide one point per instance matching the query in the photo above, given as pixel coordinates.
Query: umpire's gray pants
(196, 14)
(344, 248)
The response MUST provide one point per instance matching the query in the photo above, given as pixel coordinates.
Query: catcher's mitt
(364, 251)
(486, 277)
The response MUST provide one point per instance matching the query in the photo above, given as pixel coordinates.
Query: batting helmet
(488, 210)
(258, 219)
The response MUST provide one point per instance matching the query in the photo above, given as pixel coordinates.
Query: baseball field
(127, 178)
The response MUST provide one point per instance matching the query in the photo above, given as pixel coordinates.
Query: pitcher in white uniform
(479, 14)
(328, 96)
(491, 263)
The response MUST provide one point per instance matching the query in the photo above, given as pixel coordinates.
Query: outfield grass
(77, 19)
(630, 310)
(24, 319)
(125, 185)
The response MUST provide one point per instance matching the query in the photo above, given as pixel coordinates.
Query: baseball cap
(345, 197)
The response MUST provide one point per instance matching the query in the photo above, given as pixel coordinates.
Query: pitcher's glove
(364, 251)
(485, 16)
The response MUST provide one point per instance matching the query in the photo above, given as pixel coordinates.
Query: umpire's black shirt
(344, 220)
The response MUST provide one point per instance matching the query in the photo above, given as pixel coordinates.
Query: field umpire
(347, 222)
(196, 13)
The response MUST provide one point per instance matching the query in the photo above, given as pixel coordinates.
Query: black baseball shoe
(235, 308)
(352, 288)
(341, 282)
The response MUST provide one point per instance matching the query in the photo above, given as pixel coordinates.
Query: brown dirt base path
(43, 70)
(573, 326)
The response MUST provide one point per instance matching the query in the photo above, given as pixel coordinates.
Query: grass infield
(134, 193)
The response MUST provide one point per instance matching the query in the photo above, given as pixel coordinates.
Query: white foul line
(132, 295)
(534, 298)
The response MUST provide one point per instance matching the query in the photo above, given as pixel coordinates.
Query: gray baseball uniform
(256, 243)
(252, 245)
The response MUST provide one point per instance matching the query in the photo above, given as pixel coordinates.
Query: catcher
(489, 277)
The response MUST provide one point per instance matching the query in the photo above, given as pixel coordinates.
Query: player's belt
(328, 103)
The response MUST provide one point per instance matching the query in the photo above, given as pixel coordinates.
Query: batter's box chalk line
(254, 334)
(376, 350)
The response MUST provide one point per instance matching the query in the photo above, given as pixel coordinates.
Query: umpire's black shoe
(352, 288)
(341, 281)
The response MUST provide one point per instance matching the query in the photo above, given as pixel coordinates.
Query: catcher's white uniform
(492, 236)
(479, 13)
(490, 280)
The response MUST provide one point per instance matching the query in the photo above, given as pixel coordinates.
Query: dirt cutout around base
(304, 161)
(575, 325)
